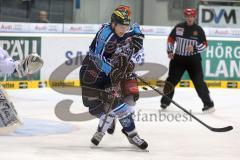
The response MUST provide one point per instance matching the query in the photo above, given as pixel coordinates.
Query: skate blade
(211, 110)
(139, 149)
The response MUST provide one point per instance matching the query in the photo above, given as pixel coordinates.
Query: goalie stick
(223, 129)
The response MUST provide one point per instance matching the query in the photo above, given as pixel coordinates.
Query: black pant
(89, 90)
(193, 65)
(96, 106)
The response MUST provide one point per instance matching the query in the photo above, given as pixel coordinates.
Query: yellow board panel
(76, 83)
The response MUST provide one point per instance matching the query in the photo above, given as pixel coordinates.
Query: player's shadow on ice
(118, 149)
(92, 148)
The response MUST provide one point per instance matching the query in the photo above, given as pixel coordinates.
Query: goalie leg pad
(9, 120)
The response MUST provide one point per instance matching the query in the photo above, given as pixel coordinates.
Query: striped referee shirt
(184, 35)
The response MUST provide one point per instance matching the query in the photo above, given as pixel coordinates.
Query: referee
(190, 42)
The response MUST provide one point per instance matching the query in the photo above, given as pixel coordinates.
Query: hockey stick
(127, 49)
(224, 129)
(111, 105)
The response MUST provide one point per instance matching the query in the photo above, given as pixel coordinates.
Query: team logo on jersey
(179, 31)
(195, 33)
(93, 73)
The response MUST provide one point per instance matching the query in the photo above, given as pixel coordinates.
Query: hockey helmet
(190, 12)
(121, 15)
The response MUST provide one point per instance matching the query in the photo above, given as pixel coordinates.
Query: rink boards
(63, 53)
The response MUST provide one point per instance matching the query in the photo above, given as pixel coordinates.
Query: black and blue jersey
(106, 42)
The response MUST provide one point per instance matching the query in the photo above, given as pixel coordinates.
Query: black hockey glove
(137, 41)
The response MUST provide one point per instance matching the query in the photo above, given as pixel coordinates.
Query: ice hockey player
(9, 120)
(106, 68)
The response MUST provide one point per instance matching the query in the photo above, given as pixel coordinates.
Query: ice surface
(44, 136)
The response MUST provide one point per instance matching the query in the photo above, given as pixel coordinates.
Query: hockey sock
(108, 122)
(124, 114)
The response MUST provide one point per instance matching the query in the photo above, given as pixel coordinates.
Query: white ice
(45, 137)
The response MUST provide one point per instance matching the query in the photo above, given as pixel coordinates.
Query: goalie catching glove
(31, 64)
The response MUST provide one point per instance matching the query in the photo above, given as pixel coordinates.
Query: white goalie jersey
(7, 65)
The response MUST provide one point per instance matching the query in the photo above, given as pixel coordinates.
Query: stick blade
(224, 129)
